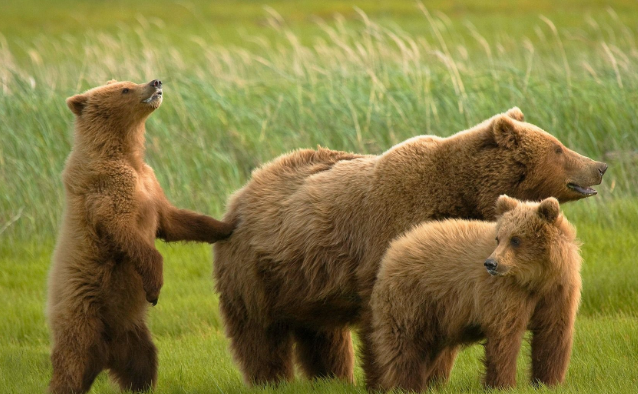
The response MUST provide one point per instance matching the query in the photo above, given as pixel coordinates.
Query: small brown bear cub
(105, 267)
(452, 283)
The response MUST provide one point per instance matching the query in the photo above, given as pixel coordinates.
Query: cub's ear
(549, 209)
(506, 132)
(504, 204)
(111, 81)
(515, 113)
(77, 103)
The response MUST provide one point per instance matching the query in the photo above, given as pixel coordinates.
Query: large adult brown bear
(106, 269)
(314, 225)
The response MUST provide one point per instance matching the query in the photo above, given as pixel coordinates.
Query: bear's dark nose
(602, 169)
(156, 83)
(490, 264)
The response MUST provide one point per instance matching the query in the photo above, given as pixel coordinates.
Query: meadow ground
(245, 83)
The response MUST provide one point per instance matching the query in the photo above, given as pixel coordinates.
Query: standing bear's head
(535, 243)
(117, 104)
(547, 167)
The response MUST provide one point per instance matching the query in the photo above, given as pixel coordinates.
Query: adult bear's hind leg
(264, 354)
(325, 353)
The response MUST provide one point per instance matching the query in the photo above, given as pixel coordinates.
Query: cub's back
(439, 252)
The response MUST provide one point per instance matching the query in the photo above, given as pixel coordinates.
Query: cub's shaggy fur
(313, 226)
(434, 294)
(105, 267)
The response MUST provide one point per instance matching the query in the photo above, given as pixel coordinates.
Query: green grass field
(245, 82)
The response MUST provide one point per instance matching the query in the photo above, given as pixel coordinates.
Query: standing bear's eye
(125, 91)
(515, 241)
(558, 150)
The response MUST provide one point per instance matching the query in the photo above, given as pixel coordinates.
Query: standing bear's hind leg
(77, 357)
(133, 361)
(325, 353)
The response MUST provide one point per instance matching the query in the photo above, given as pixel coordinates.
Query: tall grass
(359, 87)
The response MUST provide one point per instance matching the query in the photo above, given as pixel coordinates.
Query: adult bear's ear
(549, 209)
(77, 103)
(504, 204)
(111, 81)
(506, 132)
(515, 113)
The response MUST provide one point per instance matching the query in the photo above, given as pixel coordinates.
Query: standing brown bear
(455, 282)
(312, 227)
(105, 267)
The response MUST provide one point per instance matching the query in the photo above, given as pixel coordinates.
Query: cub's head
(534, 241)
(547, 168)
(117, 102)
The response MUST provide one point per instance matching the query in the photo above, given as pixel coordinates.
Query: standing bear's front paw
(153, 278)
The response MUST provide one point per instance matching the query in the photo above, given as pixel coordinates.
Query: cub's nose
(602, 169)
(490, 264)
(156, 83)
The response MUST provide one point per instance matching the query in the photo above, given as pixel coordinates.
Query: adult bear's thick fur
(314, 225)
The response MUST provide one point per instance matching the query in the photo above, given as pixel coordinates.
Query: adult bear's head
(549, 169)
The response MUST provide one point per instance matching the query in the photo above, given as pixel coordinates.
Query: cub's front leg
(115, 219)
(501, 350)
(184, 225)
(552, 328)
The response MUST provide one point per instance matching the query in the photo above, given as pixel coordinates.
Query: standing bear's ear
(549, 209)
(515, 113)
(506, 132)
(77, 103)
(111, 81)
(505, 203)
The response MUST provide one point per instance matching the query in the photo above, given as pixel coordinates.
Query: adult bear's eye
(515, 242)
(497, 240)
(125, 91)
(558, 150)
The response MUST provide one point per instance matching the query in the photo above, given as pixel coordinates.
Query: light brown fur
(434, 294)
(314, 225)
(105, 267)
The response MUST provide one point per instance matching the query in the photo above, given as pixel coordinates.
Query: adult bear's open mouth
(585, 190)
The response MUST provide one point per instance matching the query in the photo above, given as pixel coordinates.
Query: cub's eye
(558, 150)
(125, 90)
(497, 240)
(515, 241)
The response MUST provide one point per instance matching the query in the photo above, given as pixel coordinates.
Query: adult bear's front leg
(442, 367)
